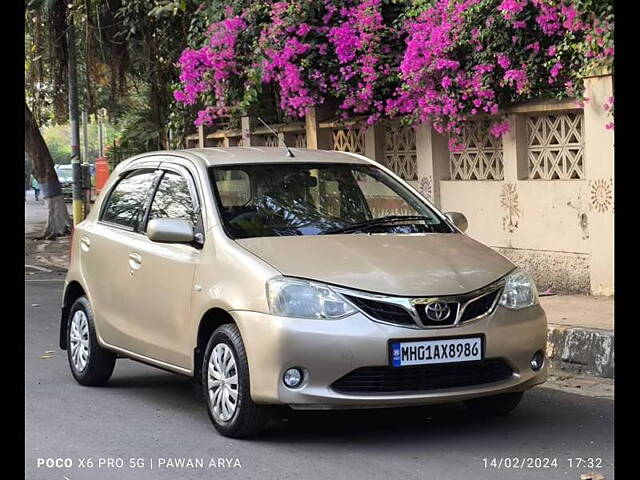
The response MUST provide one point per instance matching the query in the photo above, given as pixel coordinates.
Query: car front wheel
(225, 380)
(90, 364)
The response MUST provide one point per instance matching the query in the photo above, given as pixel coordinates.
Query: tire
(98, 366)
(246, 418)
(496, 404)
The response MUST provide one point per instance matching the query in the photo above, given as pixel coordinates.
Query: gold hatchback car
(314, 279)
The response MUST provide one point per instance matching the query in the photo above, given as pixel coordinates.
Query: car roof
(249, 155)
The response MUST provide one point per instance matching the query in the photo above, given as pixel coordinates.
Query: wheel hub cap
(222, 383)
(79, 336)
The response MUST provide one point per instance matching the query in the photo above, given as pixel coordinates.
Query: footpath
(581, 334)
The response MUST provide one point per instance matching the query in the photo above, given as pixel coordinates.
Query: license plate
(436, 351)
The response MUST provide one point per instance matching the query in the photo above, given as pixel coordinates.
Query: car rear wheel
(90, 364)
(495, 404)
(225, 382)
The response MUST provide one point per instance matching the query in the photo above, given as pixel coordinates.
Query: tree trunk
(58, 52)
(155, 101)
(58, 220)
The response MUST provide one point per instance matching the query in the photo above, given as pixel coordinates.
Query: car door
(105, 246)
(162, 274)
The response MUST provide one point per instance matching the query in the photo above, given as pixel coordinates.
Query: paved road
(149, 414)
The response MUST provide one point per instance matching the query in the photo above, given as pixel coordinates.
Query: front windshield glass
(64, 174)
(265, 200)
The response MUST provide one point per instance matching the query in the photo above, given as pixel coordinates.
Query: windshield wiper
(374, 223)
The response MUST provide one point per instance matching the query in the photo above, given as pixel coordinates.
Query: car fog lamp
(537, 361)
(292, 378)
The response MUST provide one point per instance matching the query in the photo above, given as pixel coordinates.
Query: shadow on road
(541, 413)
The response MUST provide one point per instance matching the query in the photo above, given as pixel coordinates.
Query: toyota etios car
(319, 280)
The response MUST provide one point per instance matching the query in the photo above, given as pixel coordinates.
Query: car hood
(408, 265)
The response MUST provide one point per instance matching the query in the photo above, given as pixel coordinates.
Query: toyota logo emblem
(437, 311)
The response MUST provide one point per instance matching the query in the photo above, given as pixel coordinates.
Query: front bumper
(329, 349)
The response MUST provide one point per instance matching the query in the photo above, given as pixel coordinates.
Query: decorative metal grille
(301, 140)
(555, 147)
(481, 158)
(400, 151)
(349, 140)
(379, 211)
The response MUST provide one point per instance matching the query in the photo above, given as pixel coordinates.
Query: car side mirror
(458, 219)
(170, 230)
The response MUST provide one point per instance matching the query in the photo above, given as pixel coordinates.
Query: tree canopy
(435, 61)
(157, 65)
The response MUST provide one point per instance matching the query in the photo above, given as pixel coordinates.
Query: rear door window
(125, 206)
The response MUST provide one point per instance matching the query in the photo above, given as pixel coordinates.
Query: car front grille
(399, 311)
(481, 306)
(422, 378)
(383, 311)
(427, 322)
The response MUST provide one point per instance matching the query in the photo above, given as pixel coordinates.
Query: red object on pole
(102, 173)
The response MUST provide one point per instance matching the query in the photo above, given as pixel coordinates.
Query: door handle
(135, 261)
(85, 244)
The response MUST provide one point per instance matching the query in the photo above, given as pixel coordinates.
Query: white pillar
(374, 142)
(317, 138)
(200, 136)
(598, 164)
(245, 126)
(514, 150)
(432, 157)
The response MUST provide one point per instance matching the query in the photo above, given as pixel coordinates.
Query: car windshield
(64, 174)
(265, 200)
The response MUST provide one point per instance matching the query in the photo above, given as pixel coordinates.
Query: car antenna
(289, 152)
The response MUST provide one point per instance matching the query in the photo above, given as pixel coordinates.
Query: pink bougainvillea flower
(517, 77)
(535, 46)
(555, 70)
(503, 60)
(510, 8)
(500, 129)
(450, 62)
(455, 146)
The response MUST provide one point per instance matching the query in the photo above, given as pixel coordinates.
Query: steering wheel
(244, 217)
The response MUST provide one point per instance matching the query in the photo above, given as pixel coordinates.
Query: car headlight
(291, 297)
(519, 291)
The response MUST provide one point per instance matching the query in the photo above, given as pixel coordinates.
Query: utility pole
(73, 120)
(85, 140)
(100, 133)
(86, 165)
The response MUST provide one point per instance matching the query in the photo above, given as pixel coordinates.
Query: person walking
(27, 176)
(36, 187)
